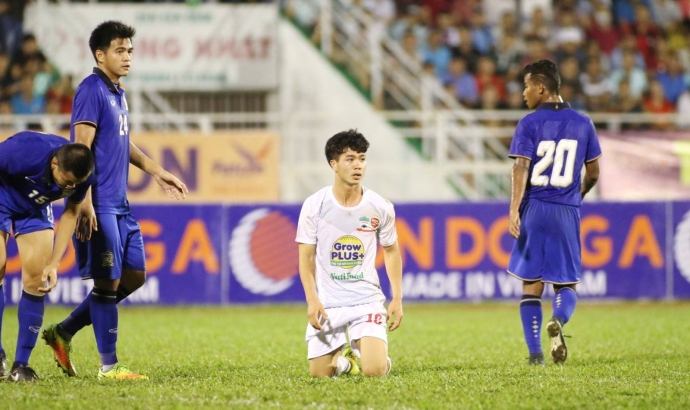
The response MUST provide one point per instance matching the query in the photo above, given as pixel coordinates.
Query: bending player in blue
(35, 170)
(550, 147)
(108, 244)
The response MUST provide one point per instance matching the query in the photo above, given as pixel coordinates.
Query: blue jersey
(102, 104)
(26, 180)
(558, 140)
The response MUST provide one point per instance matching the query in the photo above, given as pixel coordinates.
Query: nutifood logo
(367, 225)
(347, 252)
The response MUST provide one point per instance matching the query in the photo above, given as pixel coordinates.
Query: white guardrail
(472, 158)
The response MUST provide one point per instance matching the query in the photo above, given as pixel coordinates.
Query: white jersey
(346, 243)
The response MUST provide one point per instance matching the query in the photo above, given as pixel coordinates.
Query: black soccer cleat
(22, 373)
(559, 351)
(536, 359)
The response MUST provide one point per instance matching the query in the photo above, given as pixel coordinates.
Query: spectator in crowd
(508, 54)
(4, 71)
(595, 86)
(624, 10)
(486, 76)
(684, 109)
(672, 79)
(538, 27)
(42, 79)
(569, 38)
(29, 49)
(627, 44)
(645, 32)
(635, 75)
(603, 32)
(593, 52)
(303, 12)
(464, 85)
(411, 48)
(482, 36)
(508, 26)
(437, 53)
(10, 29)
(667, 13)
(624, 101)
(656, 103)
(490, 100)
(467, 50)
(515, 99)
(570, 75)
(26, 102)
(536, 50)
(449, 30)
(62, 93)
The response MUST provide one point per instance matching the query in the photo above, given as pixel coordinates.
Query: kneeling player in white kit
(337, 233)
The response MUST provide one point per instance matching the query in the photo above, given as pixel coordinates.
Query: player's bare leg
(131, 280)
(324, 366)
(531, 317)
(374, 356)
(3, 262)
(335, 363)
(35, 249)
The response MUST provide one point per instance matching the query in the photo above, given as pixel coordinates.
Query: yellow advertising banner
(232, 167)
(218, 167)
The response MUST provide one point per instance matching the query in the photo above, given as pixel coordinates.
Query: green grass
(444, 356)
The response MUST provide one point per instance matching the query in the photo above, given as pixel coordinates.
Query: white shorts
(362, 320)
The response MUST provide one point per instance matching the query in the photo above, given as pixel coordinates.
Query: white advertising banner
(176, 47)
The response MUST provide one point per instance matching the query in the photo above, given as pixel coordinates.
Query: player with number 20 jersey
(550, 147)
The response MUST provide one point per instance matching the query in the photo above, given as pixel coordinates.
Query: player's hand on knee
(514, 225)
(48, 278)
(395, 312)
(317, 315)
(86, 223)
(171, 184)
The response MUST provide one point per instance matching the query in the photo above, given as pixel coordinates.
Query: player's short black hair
(341, 141)
(545, 72)
(75, 158)
(106, 32)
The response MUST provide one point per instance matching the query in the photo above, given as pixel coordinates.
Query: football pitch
(445, 356)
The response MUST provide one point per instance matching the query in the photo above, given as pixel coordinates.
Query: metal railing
(472, 158)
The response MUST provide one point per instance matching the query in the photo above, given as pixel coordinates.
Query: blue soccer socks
(31, 308)
(78, 319)
(103, 309)
(81, 315)
(2, 311)
(531, 316)
(564, 304)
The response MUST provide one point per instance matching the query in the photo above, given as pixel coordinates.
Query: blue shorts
(38, 221)
(548, 248)
(116, 245)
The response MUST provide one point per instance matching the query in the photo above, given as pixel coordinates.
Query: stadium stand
(615, 55)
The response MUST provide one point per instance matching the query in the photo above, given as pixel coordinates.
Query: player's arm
(307, 274)
(393, 262)
(170, 183)
(84, 133)
(67, 225)
(518, 183)
(591, 176)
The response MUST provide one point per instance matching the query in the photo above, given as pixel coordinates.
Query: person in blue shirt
(550, 147)
(35, 170)
(108, 242)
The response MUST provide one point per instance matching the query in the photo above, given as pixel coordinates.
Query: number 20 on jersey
(563, 165)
